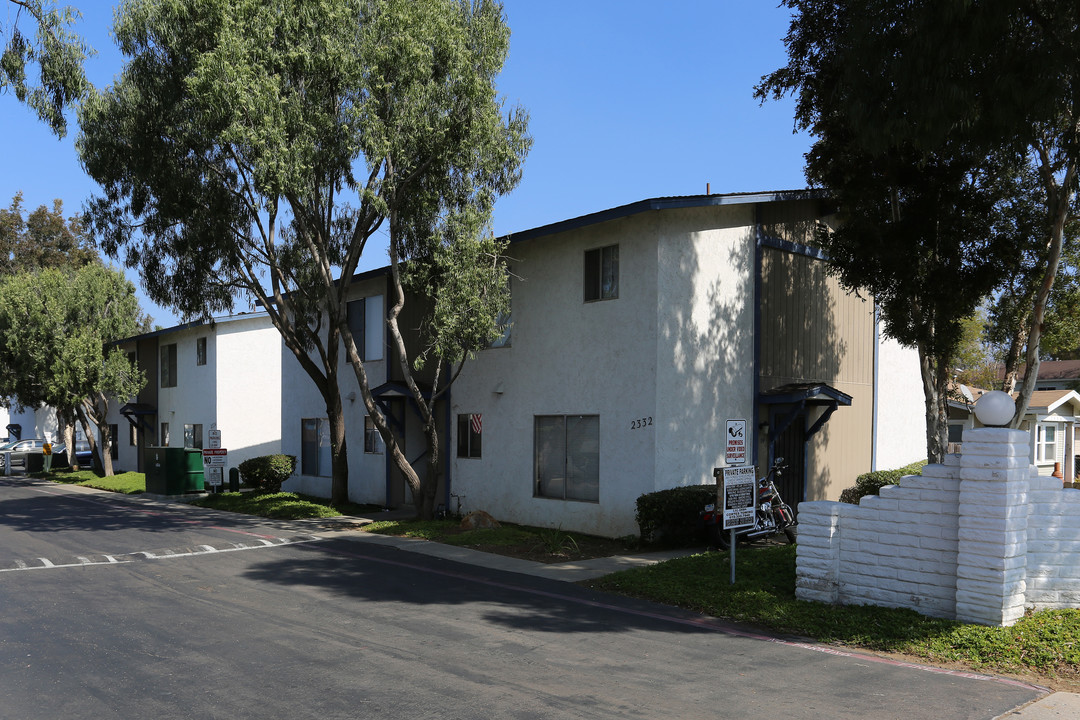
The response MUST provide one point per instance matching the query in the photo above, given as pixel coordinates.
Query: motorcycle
(772, 516)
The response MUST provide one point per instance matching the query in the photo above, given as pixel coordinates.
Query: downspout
(386, 354)
(757, 331)
(446, 446)
(877, 389)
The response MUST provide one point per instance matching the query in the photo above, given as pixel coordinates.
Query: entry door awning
(135, 412)
(800, 396)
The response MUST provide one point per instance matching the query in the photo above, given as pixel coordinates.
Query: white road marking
(165, 554)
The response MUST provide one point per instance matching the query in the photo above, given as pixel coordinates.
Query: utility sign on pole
(735, 440)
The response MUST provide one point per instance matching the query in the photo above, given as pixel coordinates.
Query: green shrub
(871, 483)
(268, 471)
(673, 517)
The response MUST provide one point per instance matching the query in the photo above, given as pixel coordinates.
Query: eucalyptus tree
(44, 238)
(51, 51)
(56, 329)
(925, 114)
(253, 150)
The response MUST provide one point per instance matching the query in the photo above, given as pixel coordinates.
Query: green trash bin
(173, 471)
(193, 470)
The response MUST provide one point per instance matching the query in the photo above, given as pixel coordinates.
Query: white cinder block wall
(979, 539)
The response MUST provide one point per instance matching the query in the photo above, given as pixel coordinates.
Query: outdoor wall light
(995, 408)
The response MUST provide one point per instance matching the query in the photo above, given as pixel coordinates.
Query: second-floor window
(602, 273)
(365, 319)
(193, 435)
(168, 365)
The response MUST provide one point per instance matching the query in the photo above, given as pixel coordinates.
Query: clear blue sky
(628, 100)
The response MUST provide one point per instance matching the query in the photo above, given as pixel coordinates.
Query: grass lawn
(281, 505)
(129, 483)
(1042, 647)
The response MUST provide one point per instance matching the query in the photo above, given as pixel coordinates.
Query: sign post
(214, 464)
(740, 500)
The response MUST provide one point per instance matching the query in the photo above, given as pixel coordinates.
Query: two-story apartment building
(640, 331)
(224, 375)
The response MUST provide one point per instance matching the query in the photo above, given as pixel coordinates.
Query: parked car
(19, 451)
(83, 456)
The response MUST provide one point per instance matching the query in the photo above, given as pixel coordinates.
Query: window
(956, 432)
(567, 457)
(200, 351)
(164, 434)
(373, 442)
(602, 273)
(133, 435)
(365, 320)
(1045, 442)
(114, 446)
(193, 435)
(315, 447)
(356, 312)
(469, 427)
(505, 323)
(168, 365)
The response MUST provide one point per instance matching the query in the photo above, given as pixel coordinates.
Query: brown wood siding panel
(814, 331)
(811, 330)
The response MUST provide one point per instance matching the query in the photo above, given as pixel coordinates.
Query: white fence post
(993, 517)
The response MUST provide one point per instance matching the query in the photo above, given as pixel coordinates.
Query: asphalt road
(116, 609)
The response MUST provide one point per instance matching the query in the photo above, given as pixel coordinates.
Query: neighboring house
(223, 375)
(1051, 421)
(639, 332)
(1053, 375)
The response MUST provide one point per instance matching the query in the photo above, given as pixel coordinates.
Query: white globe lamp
(995, 408)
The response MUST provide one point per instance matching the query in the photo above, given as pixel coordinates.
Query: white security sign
(735, 442)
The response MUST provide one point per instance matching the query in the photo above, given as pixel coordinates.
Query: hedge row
(673, 517)
(871, 483)
(267, 472)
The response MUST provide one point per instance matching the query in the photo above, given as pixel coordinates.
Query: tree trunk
(937, 416)
(339, 458)
(66, 420)
(95, 449)
(1060, 198)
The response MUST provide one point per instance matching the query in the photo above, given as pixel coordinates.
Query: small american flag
(477, 424)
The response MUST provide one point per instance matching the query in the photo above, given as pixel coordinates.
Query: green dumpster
(173, 471)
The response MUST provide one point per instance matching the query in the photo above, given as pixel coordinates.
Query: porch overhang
(798, 397)
(135, 413)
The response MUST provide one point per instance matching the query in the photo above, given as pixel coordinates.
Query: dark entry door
(791, 445)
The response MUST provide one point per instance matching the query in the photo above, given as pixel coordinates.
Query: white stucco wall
(705, 343)
(246, 357)
(900, 410)
(567, 357)
(194, 400)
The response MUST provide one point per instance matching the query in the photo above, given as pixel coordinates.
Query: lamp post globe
(995, 408)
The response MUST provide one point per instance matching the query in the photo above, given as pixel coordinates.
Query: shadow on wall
(706, 331)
